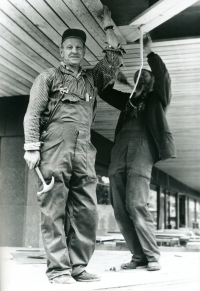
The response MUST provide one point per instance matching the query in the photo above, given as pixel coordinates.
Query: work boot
(134, 265)
(86, 277)
(153, 266)
(63, 279)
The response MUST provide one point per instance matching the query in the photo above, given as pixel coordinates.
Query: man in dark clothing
(142, 137)
(64, 150)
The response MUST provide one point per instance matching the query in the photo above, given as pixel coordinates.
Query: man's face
(72, 51)
(146, 80)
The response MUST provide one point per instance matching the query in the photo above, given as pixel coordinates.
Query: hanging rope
(141, 65)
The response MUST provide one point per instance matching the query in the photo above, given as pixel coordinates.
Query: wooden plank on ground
(96, 9)
(157, 14)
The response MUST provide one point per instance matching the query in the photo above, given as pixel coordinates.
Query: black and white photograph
(100, 145)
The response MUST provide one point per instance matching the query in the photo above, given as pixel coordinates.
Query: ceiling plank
(157, 14)
(4, 93)
(32, 74)
(15, 69)
(26, 9)
(52, 18)
(9, 90)
(87, 20)
(13, 86)
(13, 81)
(16, 76)
(41, 23)
(24, 48)
(28, 39)
(71, 21)
(24, 23)
(96, 9)
(7, 46)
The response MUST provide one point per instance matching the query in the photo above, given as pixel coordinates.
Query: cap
(136, 74)
(77, 33)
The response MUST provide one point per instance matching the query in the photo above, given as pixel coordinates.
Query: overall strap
(88, 86)
(60, 80)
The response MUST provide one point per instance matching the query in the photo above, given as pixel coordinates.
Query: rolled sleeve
(37, 104)
(107, 68)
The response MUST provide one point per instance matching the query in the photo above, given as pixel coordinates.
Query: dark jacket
(156, 104)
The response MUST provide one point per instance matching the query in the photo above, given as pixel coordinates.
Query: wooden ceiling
(30, 34)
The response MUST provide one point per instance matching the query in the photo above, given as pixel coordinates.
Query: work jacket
(156, 104)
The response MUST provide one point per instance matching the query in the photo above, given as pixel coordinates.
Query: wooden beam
(96, 9)
(157, 14)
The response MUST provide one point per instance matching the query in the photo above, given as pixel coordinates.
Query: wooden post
(177, 211)
(165, 211)
(187, 211)
(195, 212)
(158, 206)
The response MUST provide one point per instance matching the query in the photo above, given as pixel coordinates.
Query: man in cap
(142, 137)
(65, 100)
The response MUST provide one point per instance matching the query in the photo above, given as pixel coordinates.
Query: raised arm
(108, 27)
(108, 68)
(162, 83)
(114, 97)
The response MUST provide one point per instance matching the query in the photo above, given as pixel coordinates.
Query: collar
(65, 69)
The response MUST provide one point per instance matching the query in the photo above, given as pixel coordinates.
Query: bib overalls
(68, 211)
(132, 159)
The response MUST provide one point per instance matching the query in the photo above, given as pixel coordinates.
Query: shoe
(86, 277)
(134, 265)
(63, 279)
(153, 266)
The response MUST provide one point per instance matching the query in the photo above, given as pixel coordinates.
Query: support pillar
(177, 210)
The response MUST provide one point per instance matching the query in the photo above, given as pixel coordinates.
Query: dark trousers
(130, 173)
(68, 211)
